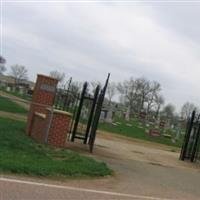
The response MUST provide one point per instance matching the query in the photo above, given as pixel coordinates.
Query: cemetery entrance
(85, 108)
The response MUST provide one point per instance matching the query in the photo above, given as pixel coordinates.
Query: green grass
(9, 106)
(17, 94)
(136, 131)
(20, 154)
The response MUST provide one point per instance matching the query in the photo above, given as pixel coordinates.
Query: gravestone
(162, 124)
(84, 112)
(109, 116)
(142, 116)
(154, 132)
(8, 89)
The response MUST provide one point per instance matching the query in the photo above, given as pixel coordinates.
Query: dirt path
(14, 116)
(143, 168)
(22, 102)
(149, 152)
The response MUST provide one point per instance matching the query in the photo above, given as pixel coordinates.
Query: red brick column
(43, 97)
(39, 126)
(59, 127)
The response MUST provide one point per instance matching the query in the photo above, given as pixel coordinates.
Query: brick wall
(42, 122)
(54, 125)
(59, 128)
(39, 127)
(42, 98)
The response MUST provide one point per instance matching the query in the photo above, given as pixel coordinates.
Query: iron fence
(85, 109)
(191, 143)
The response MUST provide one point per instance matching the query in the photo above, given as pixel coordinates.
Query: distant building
(8, 82)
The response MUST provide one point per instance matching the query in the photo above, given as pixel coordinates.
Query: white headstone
(109, 116)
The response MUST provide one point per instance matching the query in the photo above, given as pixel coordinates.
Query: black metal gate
(84, 114)
(85, 109)
(191, 144)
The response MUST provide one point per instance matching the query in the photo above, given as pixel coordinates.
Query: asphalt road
(15, 189)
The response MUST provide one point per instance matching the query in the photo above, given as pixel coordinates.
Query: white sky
(159, 41)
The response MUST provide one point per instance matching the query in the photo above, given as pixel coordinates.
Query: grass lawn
(17, 94)
(136, 131)
(20, 154)
(9, 106)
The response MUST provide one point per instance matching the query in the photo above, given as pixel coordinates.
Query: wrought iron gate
(85, 109)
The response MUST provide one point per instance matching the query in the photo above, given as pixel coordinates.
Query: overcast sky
(159, 41)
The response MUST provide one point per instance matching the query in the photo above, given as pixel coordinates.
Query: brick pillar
(43, 97)
(59, 127)
(39, 126)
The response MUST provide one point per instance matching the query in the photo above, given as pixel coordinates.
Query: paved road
(15, 189)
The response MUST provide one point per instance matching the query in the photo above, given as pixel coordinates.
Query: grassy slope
(17, 94)
(9, 106)
(136, 131)
(20, 154)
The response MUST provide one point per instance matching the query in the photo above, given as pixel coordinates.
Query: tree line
(18, 72)
(136, 95)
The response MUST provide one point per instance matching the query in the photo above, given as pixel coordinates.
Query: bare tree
(139, 94)
(19, 73)
(159, 101)
(168, 111)
(154, 89)
(57, 75)
(111, 91)
(187, 109)
(128, 90)
(144, 89)
(94, 84)
(76, 87)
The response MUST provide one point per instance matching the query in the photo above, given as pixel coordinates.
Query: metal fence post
(187, 137)
(79, 111)
(194, 149)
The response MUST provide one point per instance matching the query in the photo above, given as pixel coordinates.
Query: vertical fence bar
(194, 149)
(187, 137)
(67, 95)
(91, 113)
(74, 114)
(97, 115)
(58, 100)
(79, 111)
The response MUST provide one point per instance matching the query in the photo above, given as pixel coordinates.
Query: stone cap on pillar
(59, 112)
(41, 115)
(45, 76)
